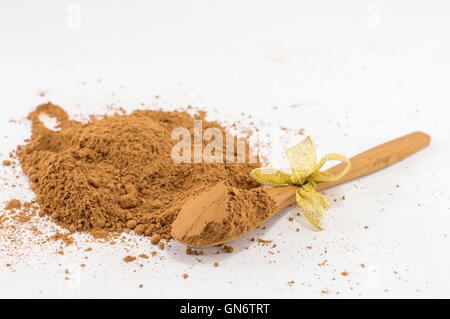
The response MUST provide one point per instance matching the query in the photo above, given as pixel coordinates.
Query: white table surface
(361, 73)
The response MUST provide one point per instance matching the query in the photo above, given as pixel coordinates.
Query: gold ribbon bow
(305, 173)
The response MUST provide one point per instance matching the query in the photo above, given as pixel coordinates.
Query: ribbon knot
(305, 173)
(299, 177)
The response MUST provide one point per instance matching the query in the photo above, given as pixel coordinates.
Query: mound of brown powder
(116, 173)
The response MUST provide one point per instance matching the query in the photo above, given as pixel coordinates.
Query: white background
(361, 73)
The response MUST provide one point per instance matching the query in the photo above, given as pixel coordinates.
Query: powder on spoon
(116, 172)
(220, 214)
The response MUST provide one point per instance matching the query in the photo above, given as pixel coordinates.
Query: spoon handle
(364, 163)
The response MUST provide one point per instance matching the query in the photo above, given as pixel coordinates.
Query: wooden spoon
(209, 206)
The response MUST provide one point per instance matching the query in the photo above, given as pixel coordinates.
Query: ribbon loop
(305, 173)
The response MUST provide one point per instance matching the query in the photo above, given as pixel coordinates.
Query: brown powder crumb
(60, 252)
(345, 274)
(129, 259)
(82, 265)
(154, 253)
(143, 256)
(13, 204)
(343, 197)
(131, 224)
(216, 264)
(88, 249)
(291, 283)
(139, 230)
(228, 249)
(161, 245)
(363, 266)
(308, 247)
(263, 241)
(325, 291)
(366, 227)
(185, 276)
(6, 163)
(190, 251)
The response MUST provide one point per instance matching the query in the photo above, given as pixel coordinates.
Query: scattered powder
(185, 276)
(66, 238)
(13, 204)
(323, 263)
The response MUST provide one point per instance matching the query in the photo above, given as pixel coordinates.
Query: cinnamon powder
(220, 214)
(116, 173)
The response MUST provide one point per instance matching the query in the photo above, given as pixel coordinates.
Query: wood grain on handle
(365, 163)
